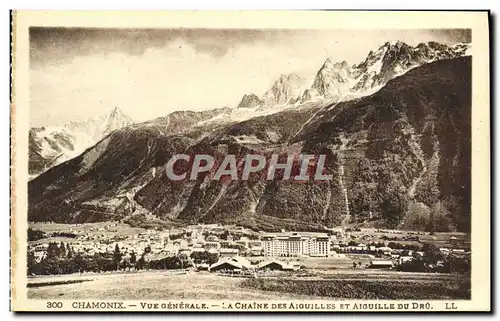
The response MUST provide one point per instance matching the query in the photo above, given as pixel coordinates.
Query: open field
(364, 288)
(173, 285)
(152, 285)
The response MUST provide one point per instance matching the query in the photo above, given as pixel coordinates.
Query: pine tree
(31, 261)
(79, 263)
(69, 254)
(62, 249)
(117, 256)
(133, 258)
(141, 263)
(52, 250)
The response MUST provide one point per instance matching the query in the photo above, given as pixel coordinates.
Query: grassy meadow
(203, 285)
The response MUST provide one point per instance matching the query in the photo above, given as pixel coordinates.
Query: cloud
(53, 45)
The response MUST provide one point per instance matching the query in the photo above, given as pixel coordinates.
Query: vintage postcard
(250, 161)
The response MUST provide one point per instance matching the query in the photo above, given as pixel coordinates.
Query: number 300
(54, 305)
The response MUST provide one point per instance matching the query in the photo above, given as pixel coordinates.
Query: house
(279, 265)
(39, 255)
(243, 261)
(202, 267)
(271, 265)
(255, 252)
(186, 252)
(404, 259)
(218, 230)
(257, 245)
(385, 250)
(381, 264)
(361, 247)
(212, 245)
(227, 252)
(213, 251)
(236, 264)
(243, 242)
(181, 243)
(212, 238)
(444, 250)
(172, 249)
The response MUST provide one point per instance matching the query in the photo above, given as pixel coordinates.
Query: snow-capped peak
(337, 81)
(284, 90)
(393, 58)
(53, 145)
(332, 79)
(116, 120)
(250, 101)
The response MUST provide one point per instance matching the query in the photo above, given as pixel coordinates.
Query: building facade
(296, 244)
(212, 245)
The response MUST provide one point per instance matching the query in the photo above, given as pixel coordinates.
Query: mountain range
(395, 129)
(339, 80)
(50, 146)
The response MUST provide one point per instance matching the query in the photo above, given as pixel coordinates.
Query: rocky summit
(400, 156)
(50, 146)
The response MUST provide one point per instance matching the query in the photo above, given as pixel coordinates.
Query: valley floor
(363, 284)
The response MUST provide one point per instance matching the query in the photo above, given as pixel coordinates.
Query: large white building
(296, 244)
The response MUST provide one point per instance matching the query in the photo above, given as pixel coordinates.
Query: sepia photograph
(218, 167)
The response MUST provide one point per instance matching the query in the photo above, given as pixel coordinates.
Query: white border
(145, 4)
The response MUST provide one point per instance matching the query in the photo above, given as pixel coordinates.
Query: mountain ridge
(334, 82)
(339, 80)
(50, 146)
(388, 153)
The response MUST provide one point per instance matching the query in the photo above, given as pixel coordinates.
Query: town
(236, 249)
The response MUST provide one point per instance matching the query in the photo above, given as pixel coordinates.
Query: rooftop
(295, 234)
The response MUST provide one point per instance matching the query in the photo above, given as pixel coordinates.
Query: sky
(77, 73)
